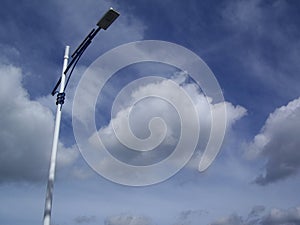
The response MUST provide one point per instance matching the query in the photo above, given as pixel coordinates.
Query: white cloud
(26, 132)
(278, 141)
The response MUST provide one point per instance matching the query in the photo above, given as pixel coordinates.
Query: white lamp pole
(49, 194)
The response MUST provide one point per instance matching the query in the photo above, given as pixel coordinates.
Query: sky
(252, 48)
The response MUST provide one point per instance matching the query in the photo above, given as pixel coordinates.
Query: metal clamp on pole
(60, 98)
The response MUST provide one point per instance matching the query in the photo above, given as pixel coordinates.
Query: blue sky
(252, 47)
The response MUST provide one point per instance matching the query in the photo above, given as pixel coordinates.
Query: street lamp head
(109, 17)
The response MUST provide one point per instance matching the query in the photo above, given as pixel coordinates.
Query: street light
(109, 17)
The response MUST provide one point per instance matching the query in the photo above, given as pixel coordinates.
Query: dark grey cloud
(278, 143)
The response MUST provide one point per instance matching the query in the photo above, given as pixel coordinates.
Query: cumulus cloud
(278, 142)
(126, 219)
(26, 132)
